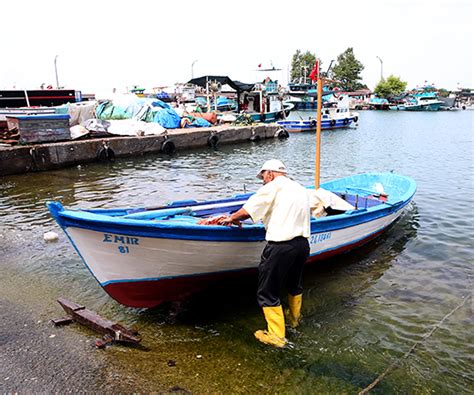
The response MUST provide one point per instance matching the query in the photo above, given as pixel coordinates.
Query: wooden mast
(318, 130)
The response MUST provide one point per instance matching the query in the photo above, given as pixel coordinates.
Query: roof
(237, 85)
(360, 92)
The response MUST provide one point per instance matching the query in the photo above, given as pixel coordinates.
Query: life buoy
(168, 147)
(312, 123)
(282, 134)
(106, 154)
(213, 140)
(356, 118)
(332, 123)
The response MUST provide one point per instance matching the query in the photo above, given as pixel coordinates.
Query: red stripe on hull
(346, 248)
(151, 293)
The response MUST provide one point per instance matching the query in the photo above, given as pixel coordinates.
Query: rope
(395, 363)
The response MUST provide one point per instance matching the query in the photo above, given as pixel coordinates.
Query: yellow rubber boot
(275, 334)
(294, 313)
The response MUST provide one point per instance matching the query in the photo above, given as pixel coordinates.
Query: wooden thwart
(111, 330)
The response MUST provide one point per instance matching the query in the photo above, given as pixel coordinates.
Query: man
(283, 206)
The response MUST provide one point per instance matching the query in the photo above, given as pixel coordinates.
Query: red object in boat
(212, 220)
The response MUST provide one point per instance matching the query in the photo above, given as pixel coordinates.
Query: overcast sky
(104, 44)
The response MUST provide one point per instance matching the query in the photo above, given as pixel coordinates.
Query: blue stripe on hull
(307, 126)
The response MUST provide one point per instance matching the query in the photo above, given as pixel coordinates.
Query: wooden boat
(329, 120)
(21, 111)
(142, 257)
(333, 116)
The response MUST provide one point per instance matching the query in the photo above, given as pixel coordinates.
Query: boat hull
(423, 107)
(310, 126)
(273, 116)
(144, 272)
(145, 257)
(148, 293)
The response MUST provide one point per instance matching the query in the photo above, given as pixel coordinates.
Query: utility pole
(192, 69)
(381, 68)
(56, 71)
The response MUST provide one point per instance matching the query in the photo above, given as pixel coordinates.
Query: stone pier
(42, 157)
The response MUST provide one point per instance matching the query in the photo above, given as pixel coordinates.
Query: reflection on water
(361, 310)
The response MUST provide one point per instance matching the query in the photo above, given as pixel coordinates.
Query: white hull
(118, 258)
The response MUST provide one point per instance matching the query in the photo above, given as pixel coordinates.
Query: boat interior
(193, 211)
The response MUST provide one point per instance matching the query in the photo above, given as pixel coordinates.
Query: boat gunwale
(250, 232)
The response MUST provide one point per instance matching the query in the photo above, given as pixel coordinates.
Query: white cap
(272, 165)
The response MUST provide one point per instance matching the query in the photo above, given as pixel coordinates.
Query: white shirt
(283, 206)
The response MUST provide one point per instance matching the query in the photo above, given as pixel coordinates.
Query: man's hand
(234, 219)
(228, 221)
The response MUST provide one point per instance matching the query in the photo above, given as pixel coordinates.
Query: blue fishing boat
(422, 103)
(331, 120)
(378, 103)
(304, 96)
(421, 99)
(143, 257)
(334, 116)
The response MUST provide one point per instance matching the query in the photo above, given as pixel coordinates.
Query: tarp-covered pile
(130, 115)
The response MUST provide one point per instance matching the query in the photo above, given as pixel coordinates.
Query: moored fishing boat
(330, 120)
(142, 257)
(333, 116)
(262, 102)
(422, 103)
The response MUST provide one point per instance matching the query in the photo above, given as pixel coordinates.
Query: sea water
(361, 311)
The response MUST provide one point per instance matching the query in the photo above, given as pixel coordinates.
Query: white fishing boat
(144, 257)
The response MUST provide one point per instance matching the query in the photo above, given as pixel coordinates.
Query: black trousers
(281, 265)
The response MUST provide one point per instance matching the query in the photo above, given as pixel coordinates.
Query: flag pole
(318, 130)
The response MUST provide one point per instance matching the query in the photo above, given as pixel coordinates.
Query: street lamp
(381, 68)
(192, 68)
(56, 71)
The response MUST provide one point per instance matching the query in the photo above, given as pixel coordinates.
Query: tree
(391, 86)
(443, 92)
(347, 71)
(301, 66)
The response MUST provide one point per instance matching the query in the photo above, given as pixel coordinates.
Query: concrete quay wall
(42, 157)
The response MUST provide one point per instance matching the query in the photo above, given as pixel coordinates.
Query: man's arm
(235, 218)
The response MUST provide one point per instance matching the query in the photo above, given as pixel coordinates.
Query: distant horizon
(99, 46)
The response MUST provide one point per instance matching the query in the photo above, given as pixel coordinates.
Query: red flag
(314, 76)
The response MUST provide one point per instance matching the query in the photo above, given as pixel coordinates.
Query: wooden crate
(41, 128)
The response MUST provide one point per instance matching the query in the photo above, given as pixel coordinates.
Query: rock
(50, 236)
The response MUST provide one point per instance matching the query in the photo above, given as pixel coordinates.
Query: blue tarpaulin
(163, 114)
(199, 123)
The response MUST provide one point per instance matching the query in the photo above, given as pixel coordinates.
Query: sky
(101, 45)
